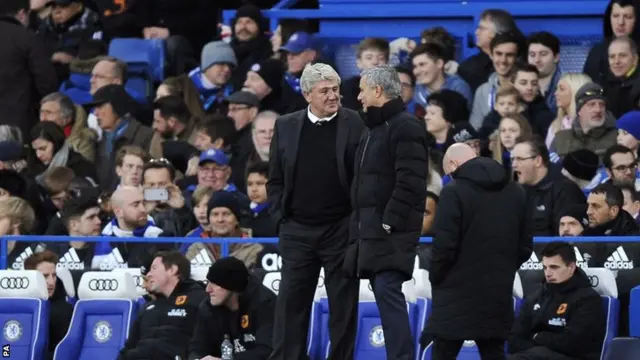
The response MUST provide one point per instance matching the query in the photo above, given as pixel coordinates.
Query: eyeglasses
(594, 92)
(520, 159)
(625, 167)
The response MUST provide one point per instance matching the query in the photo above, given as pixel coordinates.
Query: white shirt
(314, 119)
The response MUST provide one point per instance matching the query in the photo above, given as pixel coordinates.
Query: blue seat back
(24, 314)
(634, 312)
(102, 317)
(77, 87)
(623, 349)
(141, 55)
(612, 311)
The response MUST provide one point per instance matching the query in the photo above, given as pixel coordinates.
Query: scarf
(257, 208)
(209, 93)
(294, 82)
(59, 159)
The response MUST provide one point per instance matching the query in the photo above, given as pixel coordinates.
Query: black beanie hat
(453, 105)
(583, 164)
(224, 199)
(13, 182)
(576, 211)
(229, 273)
(271, 71)
(254, 13)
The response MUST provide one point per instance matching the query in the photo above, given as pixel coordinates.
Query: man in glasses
(621, 166)
(594, 128)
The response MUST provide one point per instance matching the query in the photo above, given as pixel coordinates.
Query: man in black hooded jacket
(481, 237)
(164, 326)
(564, 320)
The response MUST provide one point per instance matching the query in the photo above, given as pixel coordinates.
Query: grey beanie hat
(589, 91)
(217, 52)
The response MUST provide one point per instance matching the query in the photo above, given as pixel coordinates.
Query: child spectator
(257, 177)
(371, 52)
(629, 131)
(508, 101)
(512, 127)
(443, 110)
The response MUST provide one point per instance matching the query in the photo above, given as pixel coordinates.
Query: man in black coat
(481, 238)
(564, 319)
(240, 307)
(164, 326)
(310, 174)
(388, 196)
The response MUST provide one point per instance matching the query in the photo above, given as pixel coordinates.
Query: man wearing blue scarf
(212, 77)
(300, 51)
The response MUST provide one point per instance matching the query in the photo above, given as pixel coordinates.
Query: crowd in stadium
(84, 152)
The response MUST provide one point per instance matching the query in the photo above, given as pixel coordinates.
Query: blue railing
(226, 242)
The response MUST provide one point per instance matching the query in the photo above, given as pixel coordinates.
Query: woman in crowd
(17, 218)
(183, 87)
(568, 86)
(512, 128)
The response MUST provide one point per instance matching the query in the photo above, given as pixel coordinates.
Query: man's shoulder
(289, 118)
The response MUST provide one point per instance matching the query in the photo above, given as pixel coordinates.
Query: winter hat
(12, 182)
(453, 105)
(217, 52)
(271, 71)
(229, 273)
(117, 96)
(252, 12)
(224, 199)
(630, 122)
(463, 131)
(576, 211)
(49, 131)
(10, 150)
(589, 91)
(582, 163)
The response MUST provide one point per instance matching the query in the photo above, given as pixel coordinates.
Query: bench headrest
(23, 284)
(603, 281)
(107, 285)
(137, 279)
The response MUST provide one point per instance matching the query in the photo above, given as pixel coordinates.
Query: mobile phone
(156, 194)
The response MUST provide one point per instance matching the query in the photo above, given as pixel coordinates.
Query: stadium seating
(623, 349)
(603, 282)
(137, 279)
(67, 281)
(634, 312)
(272, 281)
(24, 314)
(102, 317)
(199, 273)
(142, 56)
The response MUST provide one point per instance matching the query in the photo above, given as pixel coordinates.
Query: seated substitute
(239, 306)
(564, 320)
(165, 325)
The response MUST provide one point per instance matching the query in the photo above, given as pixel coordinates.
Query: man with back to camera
(388, 196)
(310, 174)
(239, 306)
(481, 237)
(165, 326)
(564, 320)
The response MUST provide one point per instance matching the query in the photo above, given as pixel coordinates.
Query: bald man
(131, 220)
(480, 240)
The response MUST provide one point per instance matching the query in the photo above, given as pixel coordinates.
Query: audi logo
(138, 280)
(275, 284)
(103, 284)
(594, 280)
(14, 283)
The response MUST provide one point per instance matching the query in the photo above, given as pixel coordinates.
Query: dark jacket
(548, 198)
(481, 238)
(350, 89)
(174, 222)
(120, 19)
(284, 152)
(134, 134)
(389, 188)
(68, 37)
(539, 116)
(249, 328)
(165, 326)
(60, 313)
(26, 74)
(623, 93)
(567, 318)
(475, 70)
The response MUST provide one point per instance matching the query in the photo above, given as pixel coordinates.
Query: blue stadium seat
(634, 312)
(141, 56)
(623, 349)
(318, 338)
(77, 87)
(604, 283)
(24, 314)
(102, 317)
(518, 294)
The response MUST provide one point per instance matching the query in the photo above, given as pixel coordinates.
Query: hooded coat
(481, 237)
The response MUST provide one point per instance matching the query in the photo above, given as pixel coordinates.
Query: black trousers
(398, 340)
(304, 250)
(538, 353)
(490, 349)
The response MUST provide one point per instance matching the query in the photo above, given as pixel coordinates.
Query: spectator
(443, 111)
(621, 166)
(120, 20)
(249, 42)
(266, 80)
(199, 199)
(262, 133)
(593, 128)
(507, 102)
(172, 121)
(439, 35)
(215, 132)
(129, 165)
(300, 50)
(580, 326)
(388, 194)
(183, 87)
(476, 69)
(164, 326)
(482, 235)
(573, 220)
(60, 311)
(619, 20)
(548, 194)
(580, 166)
(51, 149)
(430, 208)
(11, 183)
(232, 290)
(623, 89)
(27, 73)
(17, 218)
(504, 51)
(631, 201)
(58, 108)
(262, 224)
(56, 182)
(370, 52)
(243, 109)
(408, 82)
(310, 189)
(629, 131)
(513, 127)
(428, 62)
(606, 216)
(565, 92)
(544, 54)
(525, 79)
(212, 77)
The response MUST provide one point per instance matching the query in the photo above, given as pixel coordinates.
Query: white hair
(386, 77)
(314, 73)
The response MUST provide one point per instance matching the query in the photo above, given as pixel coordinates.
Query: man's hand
(176, 200)
(155, 32)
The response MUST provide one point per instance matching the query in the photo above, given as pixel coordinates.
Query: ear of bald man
(456, 156)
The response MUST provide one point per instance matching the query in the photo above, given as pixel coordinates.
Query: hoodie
(484, 101)
(451, 82)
